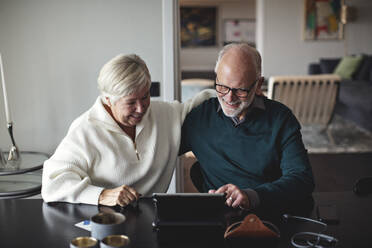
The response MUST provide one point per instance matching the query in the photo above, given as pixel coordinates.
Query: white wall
(53, 51)
(204, 58)
(280, 39)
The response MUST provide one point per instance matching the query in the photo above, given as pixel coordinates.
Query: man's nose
(230, 96)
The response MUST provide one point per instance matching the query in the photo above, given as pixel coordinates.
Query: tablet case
(188, 218)
(189, 209)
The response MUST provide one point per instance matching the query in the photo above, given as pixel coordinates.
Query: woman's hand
(122, 196)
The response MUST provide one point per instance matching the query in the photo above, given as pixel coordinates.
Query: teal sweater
(264, 153)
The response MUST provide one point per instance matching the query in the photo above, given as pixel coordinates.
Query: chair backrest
(311, 98)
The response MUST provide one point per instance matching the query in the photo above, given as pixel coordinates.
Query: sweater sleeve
(296, 183)
(196, 101)
(65, 175)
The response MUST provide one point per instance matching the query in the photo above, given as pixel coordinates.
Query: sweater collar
(100, 117)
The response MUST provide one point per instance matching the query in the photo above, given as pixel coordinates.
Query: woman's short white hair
(122, 76)
(245, 48)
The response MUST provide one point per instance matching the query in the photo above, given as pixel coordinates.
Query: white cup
(105, 224)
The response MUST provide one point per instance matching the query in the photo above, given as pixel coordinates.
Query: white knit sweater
(97, 154)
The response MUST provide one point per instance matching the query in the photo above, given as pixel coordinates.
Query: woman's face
(129, 110)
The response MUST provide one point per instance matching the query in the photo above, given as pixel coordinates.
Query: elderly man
(248, 146)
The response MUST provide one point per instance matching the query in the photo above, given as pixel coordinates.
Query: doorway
(197, 58)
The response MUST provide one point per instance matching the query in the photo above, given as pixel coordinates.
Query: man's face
(129, 110)
(237, 74)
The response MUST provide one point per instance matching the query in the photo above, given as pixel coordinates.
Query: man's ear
(258, 88)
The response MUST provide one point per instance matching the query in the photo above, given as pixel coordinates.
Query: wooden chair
(311, 98)
(187, 161)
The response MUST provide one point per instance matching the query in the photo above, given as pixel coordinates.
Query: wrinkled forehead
(237, 69)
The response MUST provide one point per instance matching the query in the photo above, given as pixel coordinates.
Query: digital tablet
(189, 209)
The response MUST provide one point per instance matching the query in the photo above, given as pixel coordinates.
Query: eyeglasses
(311, 239)
(241, 93)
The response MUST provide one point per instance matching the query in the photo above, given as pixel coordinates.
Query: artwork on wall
(322, 20)
(240, 30)
(198, 26)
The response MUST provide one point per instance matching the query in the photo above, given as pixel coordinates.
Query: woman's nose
(140, 107)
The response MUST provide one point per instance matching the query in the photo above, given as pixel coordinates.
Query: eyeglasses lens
(238, 92)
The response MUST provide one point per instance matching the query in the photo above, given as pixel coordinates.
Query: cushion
(347, 66)
(356, 74)
(365, 69)
(328, 66)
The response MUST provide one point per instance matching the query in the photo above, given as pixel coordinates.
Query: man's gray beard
(234, 112)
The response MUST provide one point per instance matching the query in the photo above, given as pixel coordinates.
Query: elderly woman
(123, 146)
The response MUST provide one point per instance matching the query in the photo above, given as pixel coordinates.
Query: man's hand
(235, 196)
(122, 196)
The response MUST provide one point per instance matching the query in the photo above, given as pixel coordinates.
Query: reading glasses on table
(311, 239)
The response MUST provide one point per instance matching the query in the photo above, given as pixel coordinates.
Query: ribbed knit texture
(264, 153)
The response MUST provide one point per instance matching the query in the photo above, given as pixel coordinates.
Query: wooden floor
(332, 172)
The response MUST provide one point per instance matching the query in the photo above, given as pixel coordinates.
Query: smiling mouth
(232, 104)
(137, 117)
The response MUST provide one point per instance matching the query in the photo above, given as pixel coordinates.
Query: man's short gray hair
(245, 48)
(122, 76)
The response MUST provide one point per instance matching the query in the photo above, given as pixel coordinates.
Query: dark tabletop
(355, 217)
(33, 223)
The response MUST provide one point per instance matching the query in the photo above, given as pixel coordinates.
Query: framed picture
(322, 20)
(198, 26)
(240, 30)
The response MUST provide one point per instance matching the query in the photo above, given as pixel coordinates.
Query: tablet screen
(189, 208)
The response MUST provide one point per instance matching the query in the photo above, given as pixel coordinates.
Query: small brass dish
(88, 242)
(115, 241)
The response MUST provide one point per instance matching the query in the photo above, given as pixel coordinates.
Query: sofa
(354, 100)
